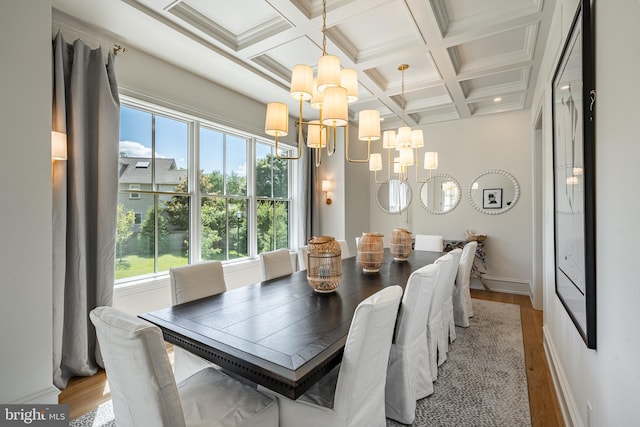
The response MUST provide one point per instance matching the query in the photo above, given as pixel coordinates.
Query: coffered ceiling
(466, 57)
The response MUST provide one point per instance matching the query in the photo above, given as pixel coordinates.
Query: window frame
(134, 187)
(196, 122)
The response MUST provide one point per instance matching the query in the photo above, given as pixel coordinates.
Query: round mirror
(440, 194)
(494, 192)
(394, 196)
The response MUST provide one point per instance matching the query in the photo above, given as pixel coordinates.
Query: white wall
(25, 188)
(466, 148)
(606, 379)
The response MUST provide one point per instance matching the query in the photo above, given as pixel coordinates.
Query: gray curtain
(85, 107)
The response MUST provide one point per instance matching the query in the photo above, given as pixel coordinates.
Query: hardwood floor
(84, 394)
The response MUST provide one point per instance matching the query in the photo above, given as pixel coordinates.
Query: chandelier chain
(402, 70)
(324, 27)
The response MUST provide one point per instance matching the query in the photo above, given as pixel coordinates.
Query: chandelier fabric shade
(406, 156)
(301, 82)
(431, 160)
(369, 125)
(349, 81)
(328, 72)
(403, 139)
(375, 162)
(417, 138)
(389, 139)
(277, 121)
(316, 135)
(335, 108)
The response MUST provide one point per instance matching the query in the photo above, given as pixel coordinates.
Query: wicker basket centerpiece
(370, 252)
(401, 244)
(324, 264)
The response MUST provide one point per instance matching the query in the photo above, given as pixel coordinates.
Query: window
(152, 179)
(230, 200)
(272, 191)
(134, 195)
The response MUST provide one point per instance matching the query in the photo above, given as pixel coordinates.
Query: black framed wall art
(492, 198)
(573, 95)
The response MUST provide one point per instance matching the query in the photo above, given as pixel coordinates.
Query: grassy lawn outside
(133, 265)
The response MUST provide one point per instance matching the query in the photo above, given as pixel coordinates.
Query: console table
(479, 267)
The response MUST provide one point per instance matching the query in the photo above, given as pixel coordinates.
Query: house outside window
(192, 190)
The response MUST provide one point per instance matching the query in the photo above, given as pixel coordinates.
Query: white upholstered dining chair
(144, 391)
(462, 306)
(188, 283)
(344, 249)
(447, 309)
(436, 338)
(193, 281)
(275, 264)
(408, 373)
(428, 242)
(352, 394)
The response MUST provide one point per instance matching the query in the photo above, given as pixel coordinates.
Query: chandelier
(406, 143)
(329, 92)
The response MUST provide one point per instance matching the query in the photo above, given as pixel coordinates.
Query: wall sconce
(58, 145)
(326, 186)
(58, 149)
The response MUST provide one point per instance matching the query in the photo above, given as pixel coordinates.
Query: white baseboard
(503, 284)
(568, 405)
(47, 396)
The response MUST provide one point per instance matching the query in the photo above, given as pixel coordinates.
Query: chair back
(414, 308)
(143, 389)
(452, 272)
(359, 395)
(447, 269)
(428, 242)
(344, 248)
(196, 281)
(302, 257)
(462, 305)
(466, 262)
(409, 356)
(275, 264)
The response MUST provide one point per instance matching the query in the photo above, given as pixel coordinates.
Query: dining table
(280, 333)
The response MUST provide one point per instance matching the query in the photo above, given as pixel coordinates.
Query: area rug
(484, 380)
(482, 383)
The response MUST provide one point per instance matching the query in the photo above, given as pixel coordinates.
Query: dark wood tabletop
(280, 333)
